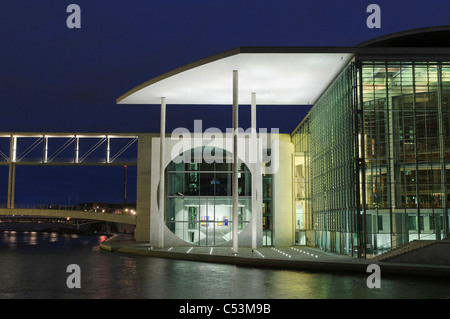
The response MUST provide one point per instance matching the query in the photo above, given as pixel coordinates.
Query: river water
(34, 265)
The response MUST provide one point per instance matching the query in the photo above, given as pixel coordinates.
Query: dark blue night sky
(53, 78)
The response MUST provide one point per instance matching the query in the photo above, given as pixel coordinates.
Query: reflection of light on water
(33, 238)
(53, 237)
(12, 238)
(66, 238)
(100, 240)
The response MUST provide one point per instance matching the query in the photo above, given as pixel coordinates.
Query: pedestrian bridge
(72, 214)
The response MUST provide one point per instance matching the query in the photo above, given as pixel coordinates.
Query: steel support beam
(77, 149)
(108, 148)
(12, 171)
(45, 150)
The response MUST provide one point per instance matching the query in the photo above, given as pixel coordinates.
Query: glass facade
(334, 162)
(378, 146)
(199, 199)
(405, 150)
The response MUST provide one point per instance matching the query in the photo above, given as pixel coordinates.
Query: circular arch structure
(199, 201)
(422, 37)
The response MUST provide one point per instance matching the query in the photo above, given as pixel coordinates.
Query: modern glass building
(367, 170)
(379, 151)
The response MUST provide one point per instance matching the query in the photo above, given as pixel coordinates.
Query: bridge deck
(107, 217)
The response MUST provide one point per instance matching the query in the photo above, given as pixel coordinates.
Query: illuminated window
(199, 200)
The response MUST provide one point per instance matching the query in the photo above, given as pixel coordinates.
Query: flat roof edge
(235, 51)
(359, 52)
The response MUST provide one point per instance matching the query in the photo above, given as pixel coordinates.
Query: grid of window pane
(333, 165)
(405, 150)
(199, 200)
(379, 152)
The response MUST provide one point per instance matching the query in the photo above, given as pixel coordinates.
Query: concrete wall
(169, 238)
(282, 192)
(150, 226)
(159, 234)
(142, 232)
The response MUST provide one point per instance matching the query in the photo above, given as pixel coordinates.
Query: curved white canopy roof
(289, 77)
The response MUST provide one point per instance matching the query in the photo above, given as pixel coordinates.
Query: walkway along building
(366, 171)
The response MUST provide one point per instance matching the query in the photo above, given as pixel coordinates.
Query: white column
(45, 155)
(77, 149)
(254, 164)
(235, 163)
(13, 185)
(8, 204)
(108, 148)
(13, 148)
(161, 172)
(12, 171)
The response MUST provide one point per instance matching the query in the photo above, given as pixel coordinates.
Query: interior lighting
(282, 78)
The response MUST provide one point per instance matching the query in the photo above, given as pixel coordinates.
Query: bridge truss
(65, 149)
